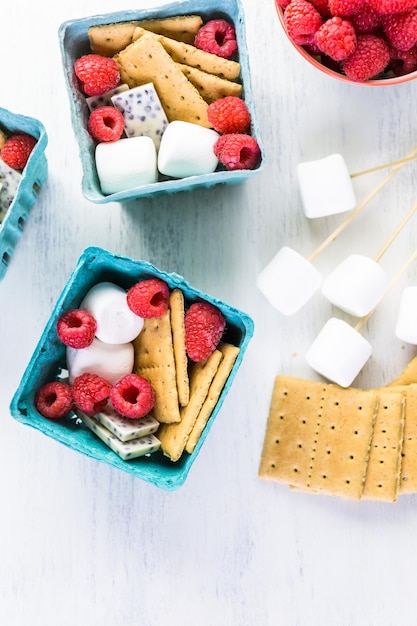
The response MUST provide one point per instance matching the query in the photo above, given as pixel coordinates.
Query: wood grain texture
(83, 544)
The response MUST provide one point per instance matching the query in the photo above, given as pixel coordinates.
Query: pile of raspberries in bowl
(372, 42)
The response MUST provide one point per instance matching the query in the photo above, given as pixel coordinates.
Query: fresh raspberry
(389, 7)
(204, 327)
(148, 298)
(132, 396)
(17, 149)
(229, 115)
(76, 328)
(237, 152)
(401, 30)
(403, 62)
(106, 124)
(217, 37)
(336, 38)
(344, 8)
(301, 20)
(365, 19)
(369, 59)
(90, 393)
(54, 400)
(322, 7)
(97, 74)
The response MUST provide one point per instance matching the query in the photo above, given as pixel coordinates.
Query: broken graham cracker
(230, 354)
(384, 464)
(146, 61)
(209, 86)
(408, 376)
(318, 436)
(155, 361)
(109, 39)
(173, 437)
(177, 307)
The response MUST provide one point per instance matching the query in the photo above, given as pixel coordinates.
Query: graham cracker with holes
(154, 360)
(384, 466)
(176, 305)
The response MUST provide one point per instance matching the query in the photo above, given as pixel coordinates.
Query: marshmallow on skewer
(116, 323)
(111, 361)
(406, 325)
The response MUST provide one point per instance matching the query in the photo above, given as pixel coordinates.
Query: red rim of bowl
(383, 82)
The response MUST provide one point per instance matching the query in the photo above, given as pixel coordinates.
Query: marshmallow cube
(289, 281)
(356, 285)
(339, 352)
(406, 326)
(326, 187)
(111, 361)
(116, 322)
(186, 149)
(126, 164)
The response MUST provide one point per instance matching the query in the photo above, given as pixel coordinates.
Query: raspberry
(204, 327)
(322, 7)
(403, 62)
(97, 74)
(365, 19)
(217, 37)
(369, 59)
(388, 7)
(54, 400)
(344, 8)
(148, 298)
(229, 115)
(132, 396)
(90, 393)
(301, 20)
(401, 30)
(237, 152)
(17, 149)
(76, 328)
(106, 124)
(336, 38)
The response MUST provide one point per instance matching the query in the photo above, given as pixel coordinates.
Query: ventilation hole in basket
(21, 222)
(6, 258)
(36, 187)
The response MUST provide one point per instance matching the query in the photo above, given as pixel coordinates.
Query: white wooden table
(84, 544)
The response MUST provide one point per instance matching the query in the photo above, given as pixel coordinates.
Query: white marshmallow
(406, 326)
(126, 164)
(326, 187)
(187, 150)
(116, 323)
(111, 361)
(339, 352)
(289, 281)
(356, 285)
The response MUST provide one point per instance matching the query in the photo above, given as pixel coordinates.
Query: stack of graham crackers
(186, 392)
(161, 52)
(352, 443)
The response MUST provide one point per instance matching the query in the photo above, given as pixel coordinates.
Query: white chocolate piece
(326, 187)
(126, 164)
(116, 323)
(406, 326)
(289, 281)
(105, 100)
(356, 285)
(125, 428)
(110, 361)
(187, 150)
(339, 352)
(9, 179)
(127, 450)
(142, 111)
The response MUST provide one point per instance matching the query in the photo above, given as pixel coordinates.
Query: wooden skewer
(395, 233)
(381, 167)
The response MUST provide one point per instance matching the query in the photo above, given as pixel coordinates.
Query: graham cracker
(194, 57)
(176, 304)
(173, 437)
(154, 360)
(408, 376)
(209, 86)
(146, 61)
(384, 465)
(230, 354)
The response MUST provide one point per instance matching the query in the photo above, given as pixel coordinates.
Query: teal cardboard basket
(33, 177)
(96, 265)
(73, 41)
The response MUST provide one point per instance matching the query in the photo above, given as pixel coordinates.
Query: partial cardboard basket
(33, 177)
(97, 265)
(74, 42)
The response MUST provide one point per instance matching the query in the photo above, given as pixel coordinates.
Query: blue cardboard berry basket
(33, 177)
(96, 265)
(74, 42)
